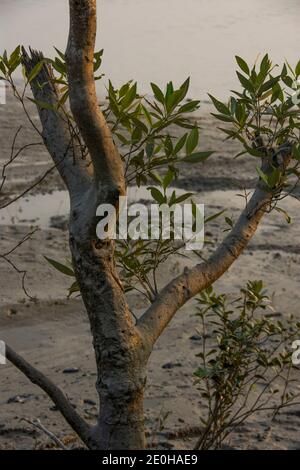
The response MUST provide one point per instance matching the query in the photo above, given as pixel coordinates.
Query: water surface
(159, 40)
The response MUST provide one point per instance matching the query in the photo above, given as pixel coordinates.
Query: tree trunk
(121, 393)
(121, 354)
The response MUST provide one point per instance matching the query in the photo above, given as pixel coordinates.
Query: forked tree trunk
(121, 348)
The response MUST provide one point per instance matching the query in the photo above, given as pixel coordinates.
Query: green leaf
(59, 66)
(98, 60)
(5, 58)
(184, 88)
(277, 93)
(137, 134)
(14, 60)
(169, 91)
(288, 81)
(129, 97)
(189, 107)
(180, 144)
(147, 115)
(168, 178)
(2, 68)
(61, 54)
(274, 178)
(64, 98)
(156, 177)
(157, 195)
(265, 65)
(229, 221)
(296, 152)
(222, 117)
(158, 93)
(240, 113)
(192, 140)
(269, 84)
(14, 54)
(214, 216)
(263, 176)
(150, 148)
(221, 107)
(254, 152)
(74, 288)
(183, 197)
(43, 104)
(198, 157)
(243, 65)
(60, 267)
(122, 138)
(247, 84)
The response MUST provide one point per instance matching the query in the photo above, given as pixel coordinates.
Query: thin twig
(23, 272)
(37, 424)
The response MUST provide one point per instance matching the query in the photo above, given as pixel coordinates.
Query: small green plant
(246, 367)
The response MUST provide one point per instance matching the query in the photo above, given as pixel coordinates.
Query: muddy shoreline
(53, 333)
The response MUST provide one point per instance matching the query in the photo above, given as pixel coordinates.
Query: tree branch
(65, 407)
(194, 280)
(57, 133)
(108, 166)
(37, 424)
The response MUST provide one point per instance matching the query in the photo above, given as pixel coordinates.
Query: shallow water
(36, 210)
(159, 40)
(40, 210)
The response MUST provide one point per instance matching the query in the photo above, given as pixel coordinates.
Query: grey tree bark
(121, 348)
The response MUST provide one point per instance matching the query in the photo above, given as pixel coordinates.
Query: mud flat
(53, 333)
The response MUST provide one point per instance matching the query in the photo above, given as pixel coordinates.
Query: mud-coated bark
(121, 356)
